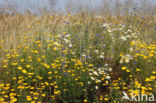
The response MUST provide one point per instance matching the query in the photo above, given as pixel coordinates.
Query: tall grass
(76, 58)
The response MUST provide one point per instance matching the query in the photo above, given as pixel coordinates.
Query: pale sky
(33, 5)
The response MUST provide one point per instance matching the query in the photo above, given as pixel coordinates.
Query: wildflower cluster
(75, 60)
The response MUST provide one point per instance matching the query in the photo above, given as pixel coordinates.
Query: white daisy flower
(123, 38)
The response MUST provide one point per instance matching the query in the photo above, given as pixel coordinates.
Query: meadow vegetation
(76, 58)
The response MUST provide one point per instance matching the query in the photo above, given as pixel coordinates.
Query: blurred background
(100, 7)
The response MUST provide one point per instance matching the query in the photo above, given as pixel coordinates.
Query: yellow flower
(150, 88)
(1, 99)
(29, 98)
(55, 48)
(128, 70)
(106, 99)
(47, 66)
(19, 68)
(138, 70)
(124, 68)
(14, 64)
(28, 66)
(14, 100)
(53, 97)
(24, 71)
(154, 72)
(43, 95)
(65, 90)
(91, 65)
(147, 79)
(22, 60)
(85, 101)
(57, 92)
(37, 42)
(101, 98)
(1, 85)
(46, 83)
(152, 77)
